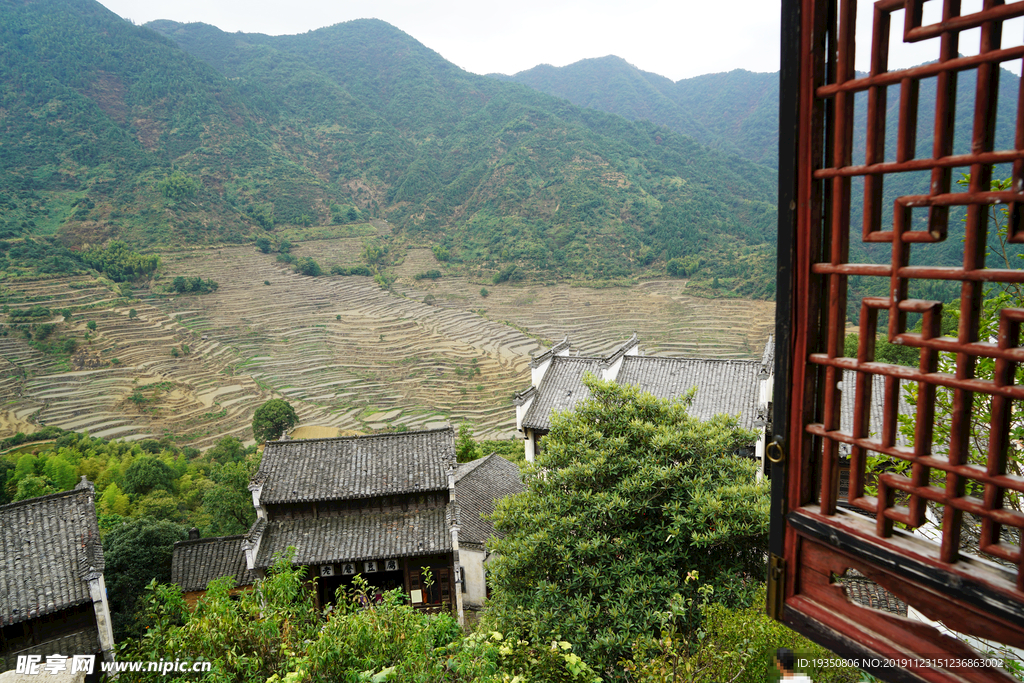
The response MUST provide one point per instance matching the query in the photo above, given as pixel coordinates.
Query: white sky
(674, 38)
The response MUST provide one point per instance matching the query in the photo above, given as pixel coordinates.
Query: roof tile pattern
(847, 402)
(196, 563)
(356, 467)
(723, 386)
(49, 547)
(354, 537)
(478, 484)
(83, 642)
(561, 389)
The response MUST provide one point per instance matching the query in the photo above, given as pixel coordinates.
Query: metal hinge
(776, 585)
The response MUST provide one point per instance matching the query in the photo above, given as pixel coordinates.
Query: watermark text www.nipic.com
(57, 664)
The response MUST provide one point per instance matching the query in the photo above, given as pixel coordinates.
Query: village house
(739, 388)
(478, 485)
(198, 561)
(388, 507)
(53, 599)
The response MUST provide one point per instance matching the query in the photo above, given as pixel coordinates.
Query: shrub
(428, 275)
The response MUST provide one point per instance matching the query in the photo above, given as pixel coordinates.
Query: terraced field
(344, 352)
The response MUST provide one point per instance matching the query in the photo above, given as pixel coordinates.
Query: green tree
(228, 449)
(466, 448)
(114, 501)
(272, 418)
(136, 552)
(229, 502)
(628, 494)
(133, 314)
(146, 473)
(178, 186)
(32, 487)
(91, 325)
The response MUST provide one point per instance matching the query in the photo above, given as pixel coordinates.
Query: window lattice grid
(940, 474)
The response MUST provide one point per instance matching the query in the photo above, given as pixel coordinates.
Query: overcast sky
(674, 38)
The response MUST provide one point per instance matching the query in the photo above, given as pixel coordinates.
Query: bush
(628, 495)
(309, 267)
(428, 275)
(193, 285)
(484, 293)
(506, 274)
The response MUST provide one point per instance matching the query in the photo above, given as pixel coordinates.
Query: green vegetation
(272, 419)
(629, 494)
(307, 266)
(353, 270)
(194, 139)
(147, 494)
(428, 275)
(275, 634)
(193, 285)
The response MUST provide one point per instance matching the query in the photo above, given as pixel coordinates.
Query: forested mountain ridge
(97, 113)
(499, 173)
(736, 111)
(112, 130)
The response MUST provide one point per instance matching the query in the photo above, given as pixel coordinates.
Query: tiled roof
(309, 470)
(83, 642)
(353, 537)
(49, 549)
(723, 386)
(877, 407)
(196, 563)
(866, 592)
(477, 485)
(561, 389)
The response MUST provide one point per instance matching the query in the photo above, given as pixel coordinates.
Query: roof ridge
(702, 360)
(40, 499)
(209, 539)
(367, 436)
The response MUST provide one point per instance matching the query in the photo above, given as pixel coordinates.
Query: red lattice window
(881, 193)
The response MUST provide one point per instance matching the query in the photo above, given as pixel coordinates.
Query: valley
(343, 351)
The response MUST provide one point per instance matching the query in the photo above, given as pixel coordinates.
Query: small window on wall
(462, 578)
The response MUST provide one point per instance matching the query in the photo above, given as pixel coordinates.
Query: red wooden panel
(936, 520)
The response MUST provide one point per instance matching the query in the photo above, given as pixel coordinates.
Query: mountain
(736, 112)
(97, 113)
(174, 134)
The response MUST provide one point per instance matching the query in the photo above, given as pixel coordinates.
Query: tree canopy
(272, 418)
(629, 494)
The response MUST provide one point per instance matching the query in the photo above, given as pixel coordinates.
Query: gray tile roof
(723, 386)
(309, 470)
(866, 592)
(561, 389)
(478, 485)
(49, 549)
(83, 642)
(353, 537)
(847, 401)
(196, 563)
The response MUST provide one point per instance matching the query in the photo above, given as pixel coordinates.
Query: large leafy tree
(629, 494)
(272, 418)
(136, 552)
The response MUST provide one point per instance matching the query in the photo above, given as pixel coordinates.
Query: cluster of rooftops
(384, 505)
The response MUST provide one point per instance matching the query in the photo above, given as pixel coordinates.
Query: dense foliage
(275, 634)
(120, 132)
(629, 494)
(272, 418)
(147, 494)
